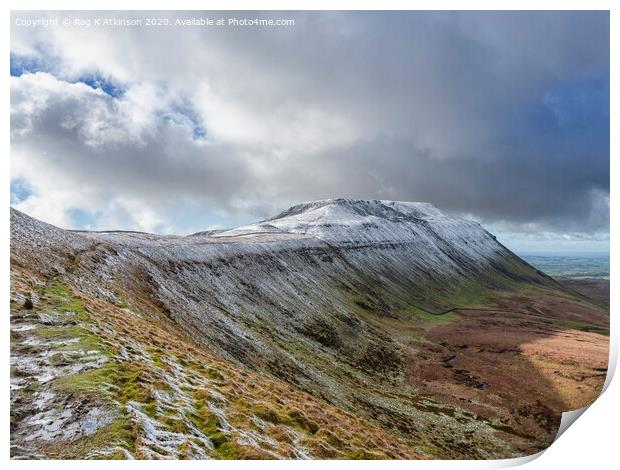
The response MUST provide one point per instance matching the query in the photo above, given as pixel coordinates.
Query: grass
(126, 381)
(209, 424)
(132, 379)
(230, 450)
(89, 382)
(62, 299)
(472, 294)
(432, 318)
(118, 433)
(361, 454)
(86, 340)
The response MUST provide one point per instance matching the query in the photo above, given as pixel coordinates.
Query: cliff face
(332, 297)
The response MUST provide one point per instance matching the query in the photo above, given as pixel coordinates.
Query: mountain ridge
(341, 312)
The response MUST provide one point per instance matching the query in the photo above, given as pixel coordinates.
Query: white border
(592, 443)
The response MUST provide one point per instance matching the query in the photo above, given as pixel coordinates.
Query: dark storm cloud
(504, 116)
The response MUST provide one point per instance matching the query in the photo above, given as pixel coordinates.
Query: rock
(450, 358)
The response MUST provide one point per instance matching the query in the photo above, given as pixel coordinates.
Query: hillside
(337, 329)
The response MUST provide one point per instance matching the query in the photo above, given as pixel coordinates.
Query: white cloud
(429, 107)
(79, 148)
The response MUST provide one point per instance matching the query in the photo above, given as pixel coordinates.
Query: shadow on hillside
(517, 372)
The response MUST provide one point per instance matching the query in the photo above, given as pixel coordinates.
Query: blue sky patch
(98, 82)
(185, 115)
(83, 218)
(19, 190)
(578, 104)
(21, 64)
(27, 64)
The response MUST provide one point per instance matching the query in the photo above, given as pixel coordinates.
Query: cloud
(118, 158)
(502, 116)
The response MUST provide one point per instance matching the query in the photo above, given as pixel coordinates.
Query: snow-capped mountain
(324, 296)
(438, 242)
(355, 222)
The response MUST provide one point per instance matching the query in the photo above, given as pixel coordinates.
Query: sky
(501, 117)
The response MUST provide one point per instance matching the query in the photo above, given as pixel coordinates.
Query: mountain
(336, 329)
(411, 248)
